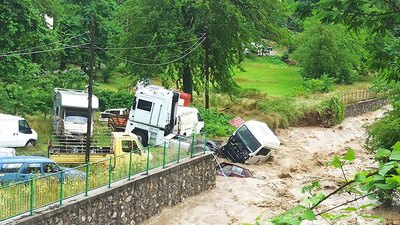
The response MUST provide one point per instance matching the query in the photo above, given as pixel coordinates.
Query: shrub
(216, 124)
(112, 99)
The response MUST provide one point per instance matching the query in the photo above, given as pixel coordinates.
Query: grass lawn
(268, 75)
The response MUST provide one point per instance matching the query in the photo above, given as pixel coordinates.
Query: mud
(276, 186)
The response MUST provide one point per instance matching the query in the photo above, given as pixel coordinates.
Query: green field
(269, 75)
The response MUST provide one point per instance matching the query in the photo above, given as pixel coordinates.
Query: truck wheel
(142, 137)
(29, 143)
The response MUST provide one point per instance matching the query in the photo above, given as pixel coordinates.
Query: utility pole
(207, 65)
(90, 89)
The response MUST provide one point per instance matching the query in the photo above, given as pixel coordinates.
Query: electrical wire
(42, 51)
(174, 56)
(27, 49)
(153, 46)
(154, 64)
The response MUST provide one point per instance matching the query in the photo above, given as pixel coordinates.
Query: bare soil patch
(276, 186)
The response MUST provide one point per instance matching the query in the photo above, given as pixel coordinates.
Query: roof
(76, 98)
(124, 135)
(22, 159)
(9, 117)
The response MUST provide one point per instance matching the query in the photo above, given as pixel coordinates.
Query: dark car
(23, 168)
(232, 170)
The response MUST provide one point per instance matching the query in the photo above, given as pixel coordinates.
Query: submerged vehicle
(251, 143)
(232, 170)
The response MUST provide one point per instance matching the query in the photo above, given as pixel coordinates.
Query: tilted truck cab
(253, 142)
(153, 114)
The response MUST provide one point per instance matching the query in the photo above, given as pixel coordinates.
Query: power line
(153, 46)
(174, 56)
(22, 50)
(153, 64)
(49, 50)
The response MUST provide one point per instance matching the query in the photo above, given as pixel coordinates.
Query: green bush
(216, 124)
(112, 99)
(385, 132)
(312, 86)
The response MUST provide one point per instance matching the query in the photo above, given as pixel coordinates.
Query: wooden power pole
(207, 66)
(90, 90)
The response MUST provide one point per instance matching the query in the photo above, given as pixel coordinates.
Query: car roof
(23, 159)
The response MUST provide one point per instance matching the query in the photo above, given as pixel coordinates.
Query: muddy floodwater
(276, 186)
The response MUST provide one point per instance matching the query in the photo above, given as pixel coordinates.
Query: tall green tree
(172, 33)
(328, 49)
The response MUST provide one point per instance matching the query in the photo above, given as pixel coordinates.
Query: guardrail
(24, 197)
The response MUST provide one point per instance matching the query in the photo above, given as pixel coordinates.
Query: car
(112, 112)
(7, 152)
(24, 168)
(232, 170)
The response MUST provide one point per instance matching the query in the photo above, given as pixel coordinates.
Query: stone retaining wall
(131, 202)
(356, 109)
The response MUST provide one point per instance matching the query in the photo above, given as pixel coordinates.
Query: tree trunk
(187, 80)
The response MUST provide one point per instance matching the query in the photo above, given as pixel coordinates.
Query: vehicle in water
(253, 142)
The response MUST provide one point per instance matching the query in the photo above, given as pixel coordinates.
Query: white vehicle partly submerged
(253, 142)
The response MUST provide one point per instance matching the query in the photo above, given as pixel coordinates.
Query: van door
(24, 133)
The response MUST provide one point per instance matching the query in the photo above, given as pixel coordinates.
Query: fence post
(179, 149)
(148, 159)
(205, 143)
(61, 187)
(191, 148)
(87, 179)
(32, 197)
(165, 147)
(130, 164)
(109, 173)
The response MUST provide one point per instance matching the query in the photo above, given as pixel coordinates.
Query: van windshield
(76, 117)
(244, 135)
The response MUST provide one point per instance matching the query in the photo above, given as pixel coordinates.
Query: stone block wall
(131, 202)
(356, 109)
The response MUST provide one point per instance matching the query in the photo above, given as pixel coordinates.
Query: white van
(16, 132)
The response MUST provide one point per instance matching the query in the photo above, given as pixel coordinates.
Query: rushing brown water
(276, 186)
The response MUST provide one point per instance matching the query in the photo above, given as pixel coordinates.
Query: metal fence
(24, 197)
(357, 96)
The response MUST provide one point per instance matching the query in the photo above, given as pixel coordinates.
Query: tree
(173, 33)
(329, 49)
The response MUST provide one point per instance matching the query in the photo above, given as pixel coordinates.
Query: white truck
(69, 115)
(156, 117)
(253, 142)
(16, 132)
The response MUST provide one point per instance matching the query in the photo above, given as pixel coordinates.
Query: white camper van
(69, 115)
(16, 132)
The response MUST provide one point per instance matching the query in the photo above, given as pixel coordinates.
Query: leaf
(374, 217)
(335, 162)
(386, 186)
(308, 215)
(310, 187)
(368, 205)
(350, 156)
(382, 153)
(351, 209)
(371, 197)
(298, 209)
(366, 187)
(396, 147)
(385, 168)
(395, 155)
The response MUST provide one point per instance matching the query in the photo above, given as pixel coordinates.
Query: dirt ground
(276, 186)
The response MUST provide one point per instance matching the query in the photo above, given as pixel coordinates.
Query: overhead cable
(27, 49)
(154, 64)
(48, 50)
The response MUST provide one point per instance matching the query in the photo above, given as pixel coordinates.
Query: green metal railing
(24, 197)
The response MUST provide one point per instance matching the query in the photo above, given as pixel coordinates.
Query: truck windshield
(244, 135)
(76, 117)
